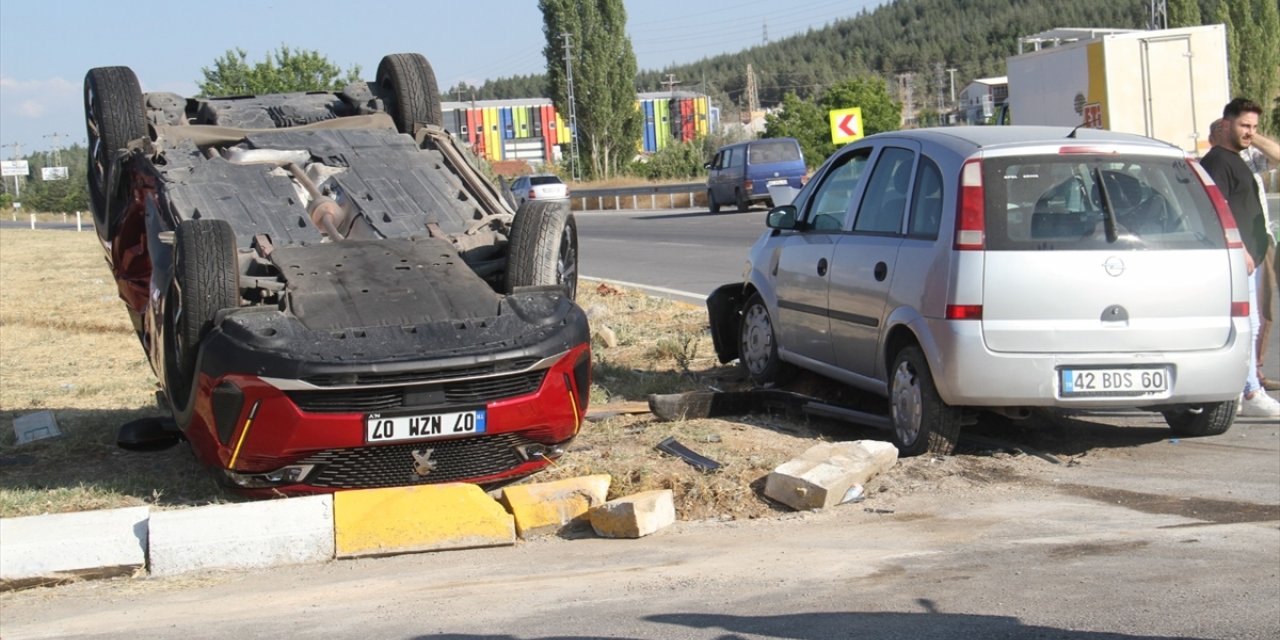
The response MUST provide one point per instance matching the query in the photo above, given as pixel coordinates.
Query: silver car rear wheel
(922, 422)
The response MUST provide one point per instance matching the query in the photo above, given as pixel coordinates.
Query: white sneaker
(1260, 405)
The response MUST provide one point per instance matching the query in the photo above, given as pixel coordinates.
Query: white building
(979, 99)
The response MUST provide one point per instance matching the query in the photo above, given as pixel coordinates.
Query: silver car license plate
(1114, 382)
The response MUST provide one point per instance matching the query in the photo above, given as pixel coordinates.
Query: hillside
(904, 41)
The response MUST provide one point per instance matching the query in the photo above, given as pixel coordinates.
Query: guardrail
(667, 196)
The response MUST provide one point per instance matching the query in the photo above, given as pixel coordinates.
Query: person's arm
(1221, 174)
(1269, 148)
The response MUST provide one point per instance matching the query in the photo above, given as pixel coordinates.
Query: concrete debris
(634, 516)
(826, 473)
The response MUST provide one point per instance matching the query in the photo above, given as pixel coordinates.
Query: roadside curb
(66, 547)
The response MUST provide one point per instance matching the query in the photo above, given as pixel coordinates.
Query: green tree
(604, 71)
(1184, 13)
(879, 110)
(283, 71)
(1253, 51)
(804, 121)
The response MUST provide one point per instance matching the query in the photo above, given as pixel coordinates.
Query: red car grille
(393, 465)
(477, 391)
(411, 377)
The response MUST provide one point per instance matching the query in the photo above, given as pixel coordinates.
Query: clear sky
(46, 46)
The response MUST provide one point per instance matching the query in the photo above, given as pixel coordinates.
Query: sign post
(846, 125)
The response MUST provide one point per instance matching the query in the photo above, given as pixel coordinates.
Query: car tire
(409, 86)
(741, 200)
(1211, 419)
(758, 345)
(113, 116)
(712, 205)
(543, 247)
(922, 422)
(206, 279)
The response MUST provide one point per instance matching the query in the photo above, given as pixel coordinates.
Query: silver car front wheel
(758, 346)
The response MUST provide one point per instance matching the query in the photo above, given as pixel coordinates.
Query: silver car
(538, 187)
(1000, 268)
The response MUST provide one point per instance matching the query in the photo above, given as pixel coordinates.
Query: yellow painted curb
(548, 507)
(424, 518)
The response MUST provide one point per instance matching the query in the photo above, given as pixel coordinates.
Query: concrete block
(549, 507)
(422, 518)
(242, 536)
(634, 516)
(821, 476)
(107, 542)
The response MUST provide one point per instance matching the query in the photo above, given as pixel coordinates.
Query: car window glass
(544, 180)
(829, 205)
(769, 151)
(885, 199)
(926, 203)
(1062, 202)
(730, 158)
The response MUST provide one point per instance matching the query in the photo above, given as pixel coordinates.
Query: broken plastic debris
(870, 510)
(701, 462)
(854, 494)
(35, 426)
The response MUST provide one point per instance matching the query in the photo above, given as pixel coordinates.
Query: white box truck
(1167, 84)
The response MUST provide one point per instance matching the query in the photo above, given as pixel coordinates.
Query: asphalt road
(682, 253)
(1132, 535)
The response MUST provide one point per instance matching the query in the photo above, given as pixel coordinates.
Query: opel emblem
(422, 462)
(1114, 266)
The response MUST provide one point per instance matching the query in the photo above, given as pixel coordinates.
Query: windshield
(769, 151)
(1096, 202)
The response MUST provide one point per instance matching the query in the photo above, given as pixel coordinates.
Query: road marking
(637, 285)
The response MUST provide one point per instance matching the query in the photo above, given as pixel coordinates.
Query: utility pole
(753, 99)
(952, 71)
(573, 106)
(765, 36)
(57, 162)
(670, 83)
(1159, 15)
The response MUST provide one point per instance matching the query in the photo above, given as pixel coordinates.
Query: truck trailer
(1167, 84)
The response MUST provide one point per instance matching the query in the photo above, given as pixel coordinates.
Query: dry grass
(66, 345)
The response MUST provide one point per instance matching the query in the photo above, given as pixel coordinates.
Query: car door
(802, 260)
(864, 260)
(721, 175)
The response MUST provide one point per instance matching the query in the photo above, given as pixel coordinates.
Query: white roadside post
(33, 222)
(79, 224)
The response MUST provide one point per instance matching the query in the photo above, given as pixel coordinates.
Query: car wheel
(543, 247)
(712, 205)
(741, 199)
(1210, 419)
(206, 279)
(922, 422)
(409, 84)
(758, 345)
(113, 116)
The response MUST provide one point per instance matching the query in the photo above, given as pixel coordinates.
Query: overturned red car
(329, 293)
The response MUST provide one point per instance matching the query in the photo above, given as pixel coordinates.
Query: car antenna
(1073, 131)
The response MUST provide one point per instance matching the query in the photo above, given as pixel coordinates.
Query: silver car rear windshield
(536, 180)
(1075, 202)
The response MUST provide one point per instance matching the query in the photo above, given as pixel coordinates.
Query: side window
(885, 200)
(730, 158)
(926, 203)
(829, 206)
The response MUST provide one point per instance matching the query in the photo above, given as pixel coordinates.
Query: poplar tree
(604, 72)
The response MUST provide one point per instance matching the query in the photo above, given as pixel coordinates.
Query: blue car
(743, 173)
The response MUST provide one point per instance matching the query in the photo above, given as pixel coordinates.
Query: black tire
(409, 84)
(758, 345)
(712, 205)
(543, 247)
(922, 422)
(741, 200)
(1211, 419)
(113, 116)
(206, 279)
